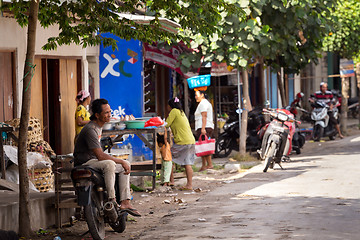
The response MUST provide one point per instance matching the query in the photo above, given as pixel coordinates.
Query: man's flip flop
(132, 211)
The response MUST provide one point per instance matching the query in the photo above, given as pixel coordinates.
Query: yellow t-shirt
(81, 112)
(180, 127)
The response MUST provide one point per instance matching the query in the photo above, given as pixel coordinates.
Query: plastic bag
(34, 159)
(154, 122)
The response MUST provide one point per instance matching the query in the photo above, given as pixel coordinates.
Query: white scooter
(322, 126)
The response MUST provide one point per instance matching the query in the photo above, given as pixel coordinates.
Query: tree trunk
(244, 116)
(24, 209)
(344, 103)
(358, 85)
(262, 94)
(281, 88)
(286, 92)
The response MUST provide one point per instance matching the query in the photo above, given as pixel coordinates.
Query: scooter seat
(85, 167)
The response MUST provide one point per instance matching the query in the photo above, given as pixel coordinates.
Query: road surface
(316, 197)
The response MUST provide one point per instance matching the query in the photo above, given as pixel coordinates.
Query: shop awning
(167, 57)
(221, 69)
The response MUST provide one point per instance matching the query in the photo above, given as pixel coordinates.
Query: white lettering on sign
(110, 67)
(118, 112)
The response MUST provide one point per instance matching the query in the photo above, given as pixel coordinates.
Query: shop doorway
(54, 88)
(7, 108)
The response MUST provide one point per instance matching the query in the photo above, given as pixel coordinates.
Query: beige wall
(13, 37)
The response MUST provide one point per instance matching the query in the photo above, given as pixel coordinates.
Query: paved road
(316, 197)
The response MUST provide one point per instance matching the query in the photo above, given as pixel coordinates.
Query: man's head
(100, 110)
(323, 87)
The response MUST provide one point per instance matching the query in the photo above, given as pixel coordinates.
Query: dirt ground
(158, 205)
(155, 206)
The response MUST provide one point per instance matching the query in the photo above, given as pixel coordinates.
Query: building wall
(15, 40)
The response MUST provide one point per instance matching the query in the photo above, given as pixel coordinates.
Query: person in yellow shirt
(183, 150)
(82, 116)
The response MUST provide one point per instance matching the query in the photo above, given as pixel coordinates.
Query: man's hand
(126, 166)
(103, 156)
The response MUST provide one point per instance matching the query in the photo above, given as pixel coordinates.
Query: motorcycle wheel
(120, 224)
(318, 132)
(222, 146)
(333, 137)
(269, 156)
(94, 219)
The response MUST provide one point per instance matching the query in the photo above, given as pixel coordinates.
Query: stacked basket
(42, 178)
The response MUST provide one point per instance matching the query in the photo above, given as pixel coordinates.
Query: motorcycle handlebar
(273, 113)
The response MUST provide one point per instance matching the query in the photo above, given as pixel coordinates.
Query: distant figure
(183, 150)
(82, 116)
(167, 176)
(327, 97)
(204, 124)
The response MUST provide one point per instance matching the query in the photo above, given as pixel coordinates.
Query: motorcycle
(298, 140)
(322, 126)
(276, 139)
(91, 194)
(229, 139)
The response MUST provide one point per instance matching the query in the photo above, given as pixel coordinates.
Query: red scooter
(277, 137)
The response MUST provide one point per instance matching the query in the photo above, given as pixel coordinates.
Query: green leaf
(265, 29)
(219, 58)
(228, 39)
(233, 57)
(244, 3)
(186, 62)
(193, 44)
(242, 62)
(251, 23)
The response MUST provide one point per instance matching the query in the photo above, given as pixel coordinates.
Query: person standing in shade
(183, 150)
(204, 124)
(82, 115)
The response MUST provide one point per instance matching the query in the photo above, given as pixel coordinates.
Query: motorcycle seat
(85, 167)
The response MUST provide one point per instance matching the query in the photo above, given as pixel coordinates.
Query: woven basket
(42, 178)
(34, 135)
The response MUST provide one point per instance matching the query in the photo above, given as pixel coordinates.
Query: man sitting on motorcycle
(88, 151)
(327, 97)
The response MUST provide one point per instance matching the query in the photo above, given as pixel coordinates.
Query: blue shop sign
(121, 82)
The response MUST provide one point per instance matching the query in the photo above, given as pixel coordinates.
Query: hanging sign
(346, 68)
(199, 81)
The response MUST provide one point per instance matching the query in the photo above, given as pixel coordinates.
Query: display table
(141, 169)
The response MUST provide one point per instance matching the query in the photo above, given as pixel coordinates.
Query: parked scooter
(92, 196)
(276, 140)
(322, 126)
(229, 139)
(298, 140)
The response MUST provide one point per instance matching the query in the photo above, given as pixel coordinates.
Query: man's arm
(100, 155)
